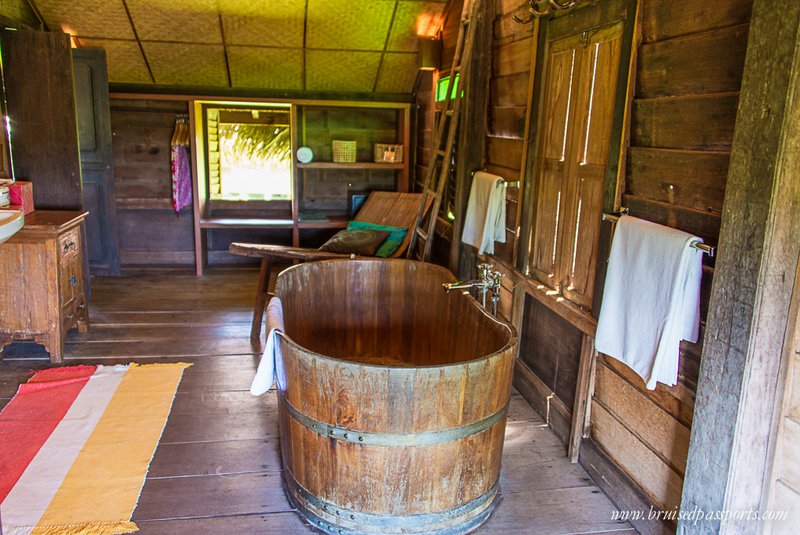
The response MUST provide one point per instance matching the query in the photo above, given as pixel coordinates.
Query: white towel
(265, 374)
(485, 222)
(651, 299)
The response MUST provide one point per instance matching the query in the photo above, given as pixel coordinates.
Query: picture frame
(355, 199)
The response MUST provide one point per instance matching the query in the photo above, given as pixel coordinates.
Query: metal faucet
(488, 280)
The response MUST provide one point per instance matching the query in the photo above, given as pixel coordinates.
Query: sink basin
(10, 222)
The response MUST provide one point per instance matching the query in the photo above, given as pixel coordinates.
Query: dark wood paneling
(508, 122)
(693, 179)
(505, 152)
(550, 346)
(663, 19)
(37, 73)
(709, 62)
(149, 230)
(703, 224)
(703, 122)
(155, 230)
(512, 58)
(510, 90)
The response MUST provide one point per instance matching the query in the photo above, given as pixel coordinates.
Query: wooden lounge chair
(381, 207)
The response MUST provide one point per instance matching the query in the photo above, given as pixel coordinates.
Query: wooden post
(741, 373)
(471, 149)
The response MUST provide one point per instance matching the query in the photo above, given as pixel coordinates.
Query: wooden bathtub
(392, 397)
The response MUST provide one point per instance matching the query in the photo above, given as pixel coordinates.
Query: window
(248, 152)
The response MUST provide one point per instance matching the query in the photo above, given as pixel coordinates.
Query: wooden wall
(509, 95)
(688, 74)
(149, 231)
(688, 71)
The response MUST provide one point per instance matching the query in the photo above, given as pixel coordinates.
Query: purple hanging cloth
(181, 174)
(181, 178)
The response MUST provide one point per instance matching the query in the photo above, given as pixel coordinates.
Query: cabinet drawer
(69, 244)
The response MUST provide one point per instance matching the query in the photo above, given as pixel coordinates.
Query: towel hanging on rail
(485, 220)
(651, 299)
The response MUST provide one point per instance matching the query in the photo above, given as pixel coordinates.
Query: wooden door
(94, 135)
(37, 74)
(576, 113)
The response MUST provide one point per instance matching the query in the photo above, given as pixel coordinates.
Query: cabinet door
(70, 270)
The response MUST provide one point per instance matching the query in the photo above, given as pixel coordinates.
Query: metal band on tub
(331, 518)
(393, 439)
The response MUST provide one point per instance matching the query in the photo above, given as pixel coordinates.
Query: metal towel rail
(710, 250)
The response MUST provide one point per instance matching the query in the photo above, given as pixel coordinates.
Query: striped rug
(75, 446)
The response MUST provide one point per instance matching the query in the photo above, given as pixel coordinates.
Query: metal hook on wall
(536, 11)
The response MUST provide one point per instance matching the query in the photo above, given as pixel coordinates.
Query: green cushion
(362, 242)
(388, 248)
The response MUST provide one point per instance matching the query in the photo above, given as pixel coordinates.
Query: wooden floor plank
(274, 524)
(553, 511)
(214, 427)
(217, 467)
(216, 458)
(208, 496)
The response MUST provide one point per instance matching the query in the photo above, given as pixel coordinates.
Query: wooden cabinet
(321, 188)
(42, 293)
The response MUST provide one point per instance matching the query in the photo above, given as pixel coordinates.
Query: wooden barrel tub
(392, 396)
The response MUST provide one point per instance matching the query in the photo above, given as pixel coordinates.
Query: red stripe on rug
(31, 416)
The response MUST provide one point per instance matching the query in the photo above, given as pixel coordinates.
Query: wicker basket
(387, 153)
(344, 151)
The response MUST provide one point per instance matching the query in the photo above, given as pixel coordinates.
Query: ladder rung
(429, 191)
(456, 68)
(441, 152)
(422, 234)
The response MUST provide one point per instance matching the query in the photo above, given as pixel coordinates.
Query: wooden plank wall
(688, 74)
(149, 231)
(687, 81)
(509, 94)
(425, 96)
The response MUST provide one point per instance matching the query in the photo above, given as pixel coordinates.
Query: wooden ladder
(441, 162)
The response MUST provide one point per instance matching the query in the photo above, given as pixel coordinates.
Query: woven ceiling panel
(186, 64)
(90, 18)
(263, 22)
(348, 25)
(341, 71)
(188, 21)
(266, 68)
(398, 73)
(412, 20)
(125, 62)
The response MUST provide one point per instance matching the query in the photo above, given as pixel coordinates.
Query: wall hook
(536, 10)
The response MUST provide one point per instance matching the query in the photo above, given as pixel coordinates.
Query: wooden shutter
(577, 108)
(212, 129)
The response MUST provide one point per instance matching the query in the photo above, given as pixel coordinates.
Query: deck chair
(381, 207)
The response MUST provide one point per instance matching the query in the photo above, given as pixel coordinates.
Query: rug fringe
(89, 528)
(161, 364)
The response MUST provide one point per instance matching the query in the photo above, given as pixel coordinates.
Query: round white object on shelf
(304, 155)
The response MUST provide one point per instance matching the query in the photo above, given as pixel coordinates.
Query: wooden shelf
(332, 222)
(237, 222)
(356, 165)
